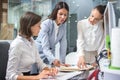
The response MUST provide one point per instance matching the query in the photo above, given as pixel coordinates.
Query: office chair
(72, 58)
(4, 47)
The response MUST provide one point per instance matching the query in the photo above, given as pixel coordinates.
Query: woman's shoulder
(47, 24)
(17, 42)
(83, 21)
(47, 21)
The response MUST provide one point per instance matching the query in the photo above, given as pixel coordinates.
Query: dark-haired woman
(23, 53)
(53, 31)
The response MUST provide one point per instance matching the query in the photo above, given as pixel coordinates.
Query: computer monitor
(109, 22)
(109, 18)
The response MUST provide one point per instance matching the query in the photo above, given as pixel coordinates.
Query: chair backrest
(4, 47)
(72, 58)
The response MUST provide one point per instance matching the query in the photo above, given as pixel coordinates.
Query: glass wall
(78, 10)
(17, 8)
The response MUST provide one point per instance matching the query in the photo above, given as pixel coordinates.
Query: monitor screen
(109, 18)
(109, 22)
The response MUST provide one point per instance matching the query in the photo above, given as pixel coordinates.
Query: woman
(90, 36)
(23, 52)
(53, 31)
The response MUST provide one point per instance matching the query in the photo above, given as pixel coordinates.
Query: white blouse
(57, 46)
(90, 37)
(56, 29)
(22, 54)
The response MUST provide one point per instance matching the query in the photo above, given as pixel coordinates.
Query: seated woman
(23, 53)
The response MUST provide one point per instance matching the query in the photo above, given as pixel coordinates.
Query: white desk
(109, 74)
(67, 75)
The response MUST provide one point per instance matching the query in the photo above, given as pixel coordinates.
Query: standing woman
(23, 53)
(90, 36)
(53, 31)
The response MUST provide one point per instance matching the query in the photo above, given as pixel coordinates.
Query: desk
(68, 75)
(109, 74)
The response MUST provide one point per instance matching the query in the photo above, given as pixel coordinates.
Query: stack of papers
(75, 68)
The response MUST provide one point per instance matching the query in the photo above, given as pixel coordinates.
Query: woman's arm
(43, 74)
(80, 46)
(43, 41)
(13, 61)
(80, 39)
(63, 46)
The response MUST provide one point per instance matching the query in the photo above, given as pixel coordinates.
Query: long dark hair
(28, 20)
(58, 6)
(101, 8)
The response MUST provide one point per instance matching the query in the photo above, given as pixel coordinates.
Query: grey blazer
(46, 41)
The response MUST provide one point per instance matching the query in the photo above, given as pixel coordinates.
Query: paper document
(75, 68)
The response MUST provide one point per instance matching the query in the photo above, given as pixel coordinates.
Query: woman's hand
(43, 74)
(81, 62)
(52, 71)
(66, 65)
(56, 63)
